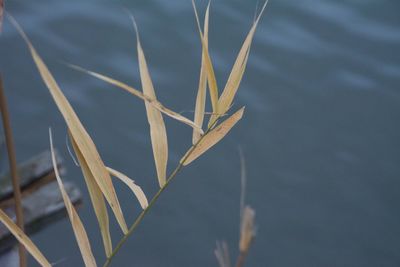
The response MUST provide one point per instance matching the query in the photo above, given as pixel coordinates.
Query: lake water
(321, 132)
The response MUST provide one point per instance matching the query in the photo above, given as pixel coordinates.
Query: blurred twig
(1, 14)
(13, 168)
(247, 215)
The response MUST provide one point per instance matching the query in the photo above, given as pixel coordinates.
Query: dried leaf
(137, 190)
(222, 254)
(77, 225)
(81, 137)
(202, 91)
(213, 137)
(23, 239)
(142, 96)
(236, 75)
(212, 82)
(158, 133)
(97, 199)
(247, 228)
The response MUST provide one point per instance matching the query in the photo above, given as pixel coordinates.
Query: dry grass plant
(98, 176)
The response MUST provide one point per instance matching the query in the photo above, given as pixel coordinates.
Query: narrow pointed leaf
(238, 69)
(212, 81)
(158, 133)
(77, 225)
(23, 239)
(140, 95)
(81, 137)
(213, 137)
(97, 199)
(202, 91)
(137, 190)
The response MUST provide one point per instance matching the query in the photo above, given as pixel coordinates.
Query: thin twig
(13, 169)
(241, 258)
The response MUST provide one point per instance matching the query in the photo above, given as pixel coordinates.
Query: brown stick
(13, 169)
(1, 14)
(241, 258)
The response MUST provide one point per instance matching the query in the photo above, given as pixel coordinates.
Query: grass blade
(24, 239)
(212, 81)
(77, 225)
(156, 104)
(202, 91)
(158, 133)
(97, 199)
(213, 137)
(137, 190)
(222, 254)
(81, 137)
(236, 75)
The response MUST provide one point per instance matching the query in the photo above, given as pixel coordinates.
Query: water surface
(320, 133)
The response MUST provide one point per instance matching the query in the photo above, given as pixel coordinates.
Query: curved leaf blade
(212, 138)
(77, 225)
(212, 81)
(158, 132)
(202, 91)
(137, 190)
(97, 199)
(238, 69)
(82, 138)
(23, 239)
(140, 95)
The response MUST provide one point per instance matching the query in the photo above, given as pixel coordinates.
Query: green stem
(141, 215)
(154, 199)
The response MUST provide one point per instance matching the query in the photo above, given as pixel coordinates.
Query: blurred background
(320, 133)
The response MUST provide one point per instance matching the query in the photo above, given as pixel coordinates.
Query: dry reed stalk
(1, 14)
(13, 167)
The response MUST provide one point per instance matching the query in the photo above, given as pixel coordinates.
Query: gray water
(320, 134)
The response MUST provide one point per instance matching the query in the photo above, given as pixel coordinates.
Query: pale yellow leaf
(247, 228)
(158, 133)
(238, 69)
(23, 239)
(97, 199)
(77, 225)
(137, 190)
(222, 254)
(212, 82)
(213, 137)
(81, 137)
(142, 96)
(202, 91)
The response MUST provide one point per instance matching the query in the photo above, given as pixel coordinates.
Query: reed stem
(241, 258)
(13, 169)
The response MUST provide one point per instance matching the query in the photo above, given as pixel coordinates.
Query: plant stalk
(155, 197)
(13, 170)
(141, 215)
(241, 258)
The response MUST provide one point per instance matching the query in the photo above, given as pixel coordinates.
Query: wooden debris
(42, 200)
(33, 173)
